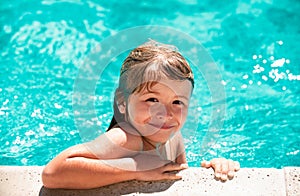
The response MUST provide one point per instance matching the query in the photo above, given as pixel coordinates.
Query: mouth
(162, 126)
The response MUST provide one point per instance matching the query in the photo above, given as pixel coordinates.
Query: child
(143, 141)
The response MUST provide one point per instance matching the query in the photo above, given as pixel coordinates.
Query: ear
(121, 106)
(120, 101)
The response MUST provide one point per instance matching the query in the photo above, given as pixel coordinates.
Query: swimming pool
(255, 45)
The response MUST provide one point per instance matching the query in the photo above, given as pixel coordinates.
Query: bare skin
(120, 155)
(224, 168)
(79, 168)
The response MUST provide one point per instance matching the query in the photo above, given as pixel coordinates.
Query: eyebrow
(182, 96)
(154, 92)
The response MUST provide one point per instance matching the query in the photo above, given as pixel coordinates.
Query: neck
(149, 144)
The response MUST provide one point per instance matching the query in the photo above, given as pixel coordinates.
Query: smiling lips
(162, 126)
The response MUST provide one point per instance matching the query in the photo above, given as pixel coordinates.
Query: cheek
(181, 114)
(139, 112)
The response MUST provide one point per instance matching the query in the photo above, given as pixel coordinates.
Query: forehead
(177, 87)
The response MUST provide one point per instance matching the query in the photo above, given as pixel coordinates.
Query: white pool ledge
(19, 180)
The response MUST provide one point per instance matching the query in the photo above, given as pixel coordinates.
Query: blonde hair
(146, 65)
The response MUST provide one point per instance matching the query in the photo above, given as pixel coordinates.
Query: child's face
(162, 112)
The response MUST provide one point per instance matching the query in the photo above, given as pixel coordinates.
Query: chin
(157, 134)
(161, 138)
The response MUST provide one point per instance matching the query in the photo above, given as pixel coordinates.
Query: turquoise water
(255, 45)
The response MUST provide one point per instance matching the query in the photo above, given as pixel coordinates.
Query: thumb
(206, 164)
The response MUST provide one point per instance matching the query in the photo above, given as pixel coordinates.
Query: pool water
(255, 45)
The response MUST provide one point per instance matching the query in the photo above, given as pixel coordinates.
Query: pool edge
(26, 180)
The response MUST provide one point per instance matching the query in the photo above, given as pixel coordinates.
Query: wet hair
(145, 66)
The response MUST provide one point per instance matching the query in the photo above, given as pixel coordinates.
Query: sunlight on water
(254, 44)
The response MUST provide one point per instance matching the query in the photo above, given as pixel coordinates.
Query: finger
(174, 167)
(171, 176)
(218, 169)
(206, 164)
(236, 166)
(225, 169)
(184, 166)
(230, 169)
(215, 164)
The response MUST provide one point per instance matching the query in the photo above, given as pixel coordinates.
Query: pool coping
(26, 180)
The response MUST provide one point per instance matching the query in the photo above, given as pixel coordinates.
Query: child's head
(144, 67)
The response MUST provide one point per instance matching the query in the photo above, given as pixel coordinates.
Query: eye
(152, 99)
(178, 102)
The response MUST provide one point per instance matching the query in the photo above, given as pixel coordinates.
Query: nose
(161, 111)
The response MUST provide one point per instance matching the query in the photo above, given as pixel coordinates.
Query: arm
(95, 163)
(101, 163)
(78, 168)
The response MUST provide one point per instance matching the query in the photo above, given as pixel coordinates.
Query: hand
(224, 168)
(166, 172)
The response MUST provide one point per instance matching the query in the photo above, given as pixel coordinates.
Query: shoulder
(115, 143)
(122, 136)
